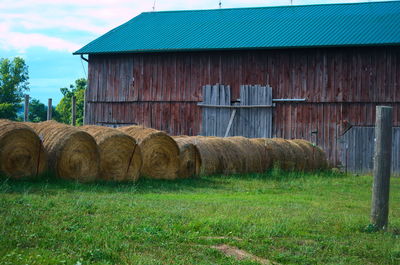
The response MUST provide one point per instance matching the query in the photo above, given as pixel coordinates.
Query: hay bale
(210, 154)
(159, 151)
(251, 153)
(316, 157)
(120, 155)
(308, 151)
(21, 151)
(272, 149)
(189, 156)
(218, 156)
(233, 160)
(320, 158)
(230, 155)
(301, 159)
(289, 157)
(73, 154)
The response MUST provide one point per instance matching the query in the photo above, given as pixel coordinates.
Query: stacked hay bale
(210, 154)
(229, 155)
(73, 154)
(21, 151)
(251, 155)
(189, 157)
(120, 155)
(293, 154)
(315, 156)
(159, 151)
(276, 154)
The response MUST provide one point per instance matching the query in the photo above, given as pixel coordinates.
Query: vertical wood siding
(161, 90)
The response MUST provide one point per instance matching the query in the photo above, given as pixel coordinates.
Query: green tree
(13, 83)
(37, 111)
(64, 108)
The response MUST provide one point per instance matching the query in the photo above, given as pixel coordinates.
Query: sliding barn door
(251, 116)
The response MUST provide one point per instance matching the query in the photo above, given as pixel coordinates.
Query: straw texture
(22, 154)
(120, 155)
(189, 156)
(159, 151)
(73, 153)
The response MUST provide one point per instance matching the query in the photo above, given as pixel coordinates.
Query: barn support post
(49, 109)
(73, 109)
(26, 108)
(382, 167)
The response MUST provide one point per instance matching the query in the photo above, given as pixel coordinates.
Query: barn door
(251, 116)
(216, 111)
(357, 149)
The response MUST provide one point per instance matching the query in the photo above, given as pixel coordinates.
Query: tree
(64, 108)
(13, 83)
(37, 111)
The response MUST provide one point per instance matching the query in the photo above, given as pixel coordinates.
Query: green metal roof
(375, 23)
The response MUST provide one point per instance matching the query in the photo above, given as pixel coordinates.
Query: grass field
(286, 218)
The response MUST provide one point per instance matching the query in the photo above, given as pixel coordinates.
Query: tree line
(14, 83)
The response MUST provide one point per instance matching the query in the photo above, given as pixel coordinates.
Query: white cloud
(21, 41)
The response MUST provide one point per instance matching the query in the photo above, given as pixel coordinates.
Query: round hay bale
(120, 156)
(73, 154)
(300, 158)
(289, 158)
(160, 152)
(22, 153)
(210, 154)
(308, 151)
(233, 160)
(252, 153)
(320, 158)
(189, 156)
(316, 156)
(273, 151)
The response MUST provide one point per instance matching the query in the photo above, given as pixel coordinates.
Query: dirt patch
(241, 254)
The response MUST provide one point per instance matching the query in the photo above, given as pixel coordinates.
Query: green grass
(290, 218)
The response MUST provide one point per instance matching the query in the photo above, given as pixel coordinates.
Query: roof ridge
(266, 7)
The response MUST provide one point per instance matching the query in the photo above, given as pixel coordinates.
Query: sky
(46, 32)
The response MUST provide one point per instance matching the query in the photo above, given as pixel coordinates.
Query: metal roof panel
(357, 24)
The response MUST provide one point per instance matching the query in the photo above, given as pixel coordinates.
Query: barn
(315, 72)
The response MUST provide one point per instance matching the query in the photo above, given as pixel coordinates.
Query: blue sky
(46, 32)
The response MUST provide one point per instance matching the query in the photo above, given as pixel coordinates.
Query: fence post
(26, 108)
(73, 107)
(49, 109)
(382, 167)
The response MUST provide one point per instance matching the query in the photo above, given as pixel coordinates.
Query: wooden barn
(315, 72)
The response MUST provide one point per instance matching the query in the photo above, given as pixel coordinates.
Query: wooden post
(49, 109)
(26, 110)
(73, 107)
(382, 167)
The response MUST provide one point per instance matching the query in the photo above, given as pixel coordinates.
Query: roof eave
(238, 49)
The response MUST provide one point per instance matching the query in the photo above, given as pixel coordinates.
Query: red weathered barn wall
(161, 90)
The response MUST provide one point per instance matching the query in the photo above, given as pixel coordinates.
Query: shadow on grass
(278, 174)
(48, 184)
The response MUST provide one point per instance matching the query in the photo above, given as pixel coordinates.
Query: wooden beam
(228, 128)
(26, 108)
(49, 109)
(235, 106)
(382, 167)
(73, 110)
